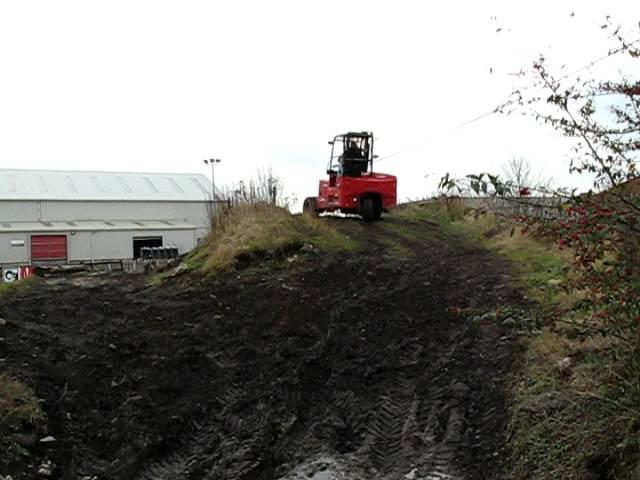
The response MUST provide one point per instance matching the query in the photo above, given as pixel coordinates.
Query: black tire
(377, 215)
(368, 209)
(309, 207)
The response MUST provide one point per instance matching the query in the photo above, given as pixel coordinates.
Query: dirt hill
(327, 366)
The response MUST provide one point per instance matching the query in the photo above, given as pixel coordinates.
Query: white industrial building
(75, 217)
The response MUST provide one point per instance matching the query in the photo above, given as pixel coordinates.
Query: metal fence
(541, 207)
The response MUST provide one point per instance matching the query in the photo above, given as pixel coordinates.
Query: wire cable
(564, 77)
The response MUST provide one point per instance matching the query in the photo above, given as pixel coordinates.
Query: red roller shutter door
(48, 247)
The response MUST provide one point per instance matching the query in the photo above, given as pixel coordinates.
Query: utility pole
(212, 162)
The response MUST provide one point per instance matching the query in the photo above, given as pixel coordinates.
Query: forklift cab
(351, 156)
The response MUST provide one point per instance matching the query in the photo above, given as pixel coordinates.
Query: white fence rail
(547, 207)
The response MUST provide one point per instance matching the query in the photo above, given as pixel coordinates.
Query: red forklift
(353, 187)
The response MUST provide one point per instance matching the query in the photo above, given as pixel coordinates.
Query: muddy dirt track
(349, 367)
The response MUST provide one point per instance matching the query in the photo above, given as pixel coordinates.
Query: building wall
(87, 246)
(19, 211)
(65, 211)
(14, 255)
(110, 245)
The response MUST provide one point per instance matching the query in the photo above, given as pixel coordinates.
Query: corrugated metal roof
(87, 185)
(94, 226)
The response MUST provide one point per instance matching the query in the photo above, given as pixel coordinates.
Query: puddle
(325, 468)
(331, 468)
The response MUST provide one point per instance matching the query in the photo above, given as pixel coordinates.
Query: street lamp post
(212, 162)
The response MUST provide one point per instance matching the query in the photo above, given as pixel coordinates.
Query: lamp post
(212, 162)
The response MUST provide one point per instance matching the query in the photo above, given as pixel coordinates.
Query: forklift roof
(355, 134)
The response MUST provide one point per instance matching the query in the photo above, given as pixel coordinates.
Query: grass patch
(20, 415)
(250, 232)
(570, 411)
(400, 237)
(196, 258)
(540, 267)
(438, 212)
(401, 230)
(14, 287)
(396, 249)
(565, 423)
(325, 236)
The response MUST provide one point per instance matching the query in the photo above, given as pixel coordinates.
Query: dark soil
(352, 366)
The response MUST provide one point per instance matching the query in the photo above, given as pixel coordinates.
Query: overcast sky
(159, 86)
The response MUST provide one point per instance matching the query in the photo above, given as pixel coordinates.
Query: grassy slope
(566, 421)
(20, 416)
(10, 288)
(253, 232)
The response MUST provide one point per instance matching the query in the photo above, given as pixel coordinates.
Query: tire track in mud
(180, 463)
(191, 460)
(199, 453)
(407, 431)
(402, 440)
(383, 443)
(398, 438)
(385, 440)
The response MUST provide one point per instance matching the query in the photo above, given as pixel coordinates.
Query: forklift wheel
(309, 207)
(368, 209)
